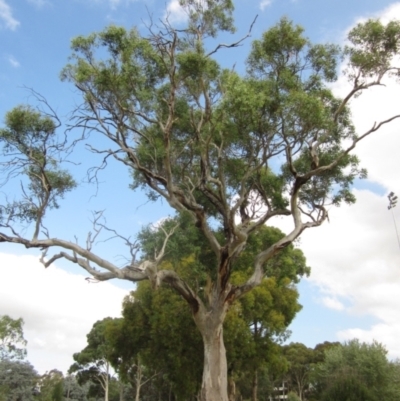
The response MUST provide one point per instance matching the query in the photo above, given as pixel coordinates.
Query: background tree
(266, 312)
(18, 380)
(321, 348)
(314, 390)
(301, 360)
(292, 396)
(358, 369)
(232, 152)
(12, 341)
(93, 363)
(73, 390)
(126, 343)
(172, 346)
(51, 386)
(254, 356)
(347, 388)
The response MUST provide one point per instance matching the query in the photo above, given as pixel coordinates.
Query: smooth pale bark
(215, 371)
(215, 374)
(138, 383)
(104, 380)
(106, 390)
(231, 389)
(106, 383)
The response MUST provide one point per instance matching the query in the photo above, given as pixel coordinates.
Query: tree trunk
(231, 389)
(69, 386)
(300, 385)
(254, 392)
(138, 380)
(300, 391)
(215, 373)
(106, 391)
(137, 394)
(106, 381)
(121, 390)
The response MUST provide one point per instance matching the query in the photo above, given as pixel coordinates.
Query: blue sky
(353, 288)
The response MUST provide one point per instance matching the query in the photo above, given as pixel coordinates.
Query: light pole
(392, 204)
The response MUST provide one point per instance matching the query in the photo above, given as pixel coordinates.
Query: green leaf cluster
(31, 148)
(209, 17)
(176, 111)
(126, 80)
(373, 46)
(12, 341)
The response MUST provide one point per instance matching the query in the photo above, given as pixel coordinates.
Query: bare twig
(235, 44)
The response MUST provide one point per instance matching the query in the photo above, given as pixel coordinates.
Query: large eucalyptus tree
(230, 151)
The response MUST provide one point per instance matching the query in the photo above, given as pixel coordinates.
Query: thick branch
(145, 270)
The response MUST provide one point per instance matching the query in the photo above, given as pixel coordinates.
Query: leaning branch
(144, 270)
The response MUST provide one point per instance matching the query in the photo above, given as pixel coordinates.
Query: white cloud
(387, 334)
(264, 4)
(7, 17)
(175, 13)
(356, 257)
(58, 308)
(13, 61)
(332, 303)
(389, 13)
